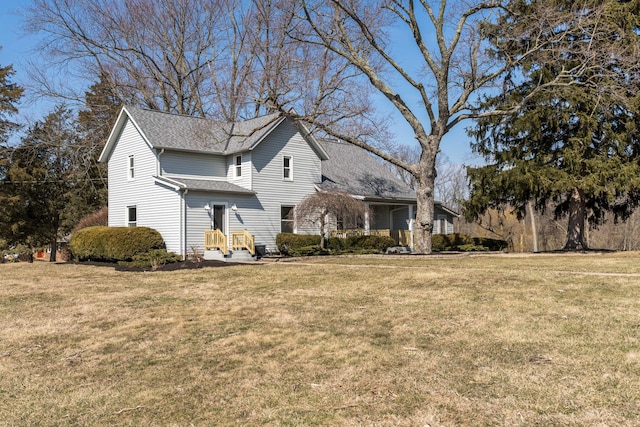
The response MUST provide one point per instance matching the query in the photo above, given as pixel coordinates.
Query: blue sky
(18, 49)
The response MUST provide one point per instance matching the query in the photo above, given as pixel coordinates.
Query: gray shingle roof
(172, 131)
(353, 170)
(205, 185)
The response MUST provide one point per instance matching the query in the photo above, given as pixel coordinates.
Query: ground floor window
(132, 216)
(286, 219)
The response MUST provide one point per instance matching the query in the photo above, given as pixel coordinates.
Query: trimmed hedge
(287, 242)
(114, 244)
(379, 243)
(308, 244)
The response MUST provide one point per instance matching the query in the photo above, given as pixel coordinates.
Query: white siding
(193, 165)
(272, 190)
(198, 219)
(157, 206)
(243, 181)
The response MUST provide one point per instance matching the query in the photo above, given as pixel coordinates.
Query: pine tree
(576, 146)
(10, 94)
(40, 184)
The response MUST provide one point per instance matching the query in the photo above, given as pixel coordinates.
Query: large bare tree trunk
(577, 214)
(423, 227)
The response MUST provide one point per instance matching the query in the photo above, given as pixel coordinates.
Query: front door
(218, 218)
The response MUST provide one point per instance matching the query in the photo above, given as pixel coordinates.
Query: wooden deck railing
(243, 240)
(215, 239)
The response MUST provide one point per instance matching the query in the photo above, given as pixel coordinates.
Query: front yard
(415, 341)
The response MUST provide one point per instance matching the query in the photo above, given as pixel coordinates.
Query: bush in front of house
(377, 243)
(153, 259)
(309, 244)
(286, 242)
(114, 244)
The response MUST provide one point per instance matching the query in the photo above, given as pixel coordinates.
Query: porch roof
(353, 170)
(203, 185)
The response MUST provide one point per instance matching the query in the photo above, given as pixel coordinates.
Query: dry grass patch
(489, 340)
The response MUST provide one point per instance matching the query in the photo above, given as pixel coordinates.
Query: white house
(186, 176)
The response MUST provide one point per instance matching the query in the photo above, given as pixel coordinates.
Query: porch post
(367, 226)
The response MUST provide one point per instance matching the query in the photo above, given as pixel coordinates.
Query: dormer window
(238, 166)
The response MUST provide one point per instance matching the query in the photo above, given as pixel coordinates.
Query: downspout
(183, 234)
(158, 168)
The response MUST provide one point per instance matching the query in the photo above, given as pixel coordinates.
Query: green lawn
(387, 341)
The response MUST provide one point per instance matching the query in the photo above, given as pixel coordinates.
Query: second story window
(131, 172)
(287, 168)
(238, 166)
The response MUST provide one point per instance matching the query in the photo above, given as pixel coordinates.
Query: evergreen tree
(10, 94)
(575, 146)
(41, 184)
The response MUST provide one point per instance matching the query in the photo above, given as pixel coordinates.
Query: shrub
(289, 241)
(153, 259)
(336, 244)
(379, 243)
(449, 242)
(491, 244)
(114, 243)
(309, 244)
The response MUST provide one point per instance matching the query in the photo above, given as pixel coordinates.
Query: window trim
(130, 209)
(237, 166)
(286, 168)
(131, 170)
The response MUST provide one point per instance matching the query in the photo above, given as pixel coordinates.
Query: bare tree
(318, 208)
(433, 80)
(159, 53)
(223, 59)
